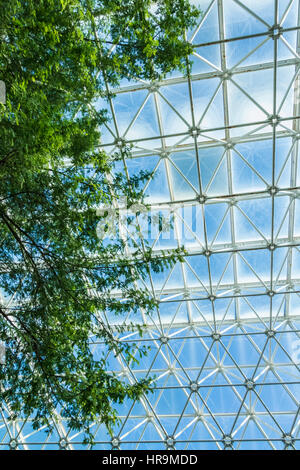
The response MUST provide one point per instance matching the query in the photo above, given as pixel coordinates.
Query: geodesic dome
(223, 145)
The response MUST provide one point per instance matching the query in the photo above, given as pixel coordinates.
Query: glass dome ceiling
(223, 144)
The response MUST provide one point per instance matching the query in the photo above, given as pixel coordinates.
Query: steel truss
(223, 142)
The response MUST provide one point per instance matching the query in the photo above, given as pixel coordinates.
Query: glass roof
(223, 144)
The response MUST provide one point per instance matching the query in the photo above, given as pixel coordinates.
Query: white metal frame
(236, 339)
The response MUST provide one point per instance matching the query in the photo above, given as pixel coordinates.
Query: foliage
(56, 58)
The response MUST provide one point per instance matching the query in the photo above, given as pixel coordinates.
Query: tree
(56, 58)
